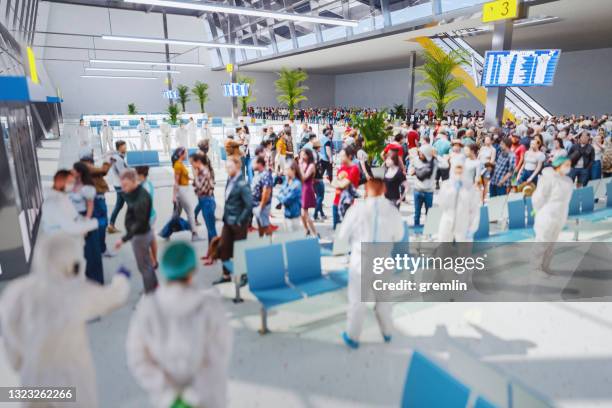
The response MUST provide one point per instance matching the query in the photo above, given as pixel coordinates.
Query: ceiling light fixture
(152, 71)
(243, 11)
(182, 42)
(116, 77)
(172, 64)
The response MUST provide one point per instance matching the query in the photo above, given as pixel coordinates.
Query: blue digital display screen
(520, 68)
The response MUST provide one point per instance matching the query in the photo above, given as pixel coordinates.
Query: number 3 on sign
(499, 10)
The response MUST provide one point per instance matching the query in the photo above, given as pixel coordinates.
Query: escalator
(518, 103)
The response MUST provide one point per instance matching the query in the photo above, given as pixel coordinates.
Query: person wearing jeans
(504, 169)
(138, 227)
(582, 156)
(424, 167)
(118, 165)
(204, 184)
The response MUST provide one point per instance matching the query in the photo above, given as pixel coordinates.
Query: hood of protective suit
(58, 257)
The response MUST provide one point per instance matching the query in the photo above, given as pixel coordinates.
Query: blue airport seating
(267, 279)
(216, 122)
(152, 123)
(587, 199)
(483, 226)
(143, 158)
(304, 268)
(516, 214)
(481, 402)
(428, 385)
(574, 204)
(133, 123)
(114, 123)
(530, 215)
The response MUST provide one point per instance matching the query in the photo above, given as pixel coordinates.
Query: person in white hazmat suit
(44, 317)
(83, 135)
(551, 205)
(460, 204)
(374, 219)
(192, 131)
(106, 133)
(145, 134)
(166, 139)
(182, 136)
(179, 341)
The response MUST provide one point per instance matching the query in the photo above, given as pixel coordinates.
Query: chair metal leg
(577, 230)
(237, 298)
(264, 322)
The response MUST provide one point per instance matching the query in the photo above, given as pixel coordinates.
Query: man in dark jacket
(138, 227)
(236, 214)
(582, 155)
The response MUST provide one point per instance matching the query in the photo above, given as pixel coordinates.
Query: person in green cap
(551, 205)
(179, 341)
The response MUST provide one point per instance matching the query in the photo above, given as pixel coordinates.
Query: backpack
(424, 172)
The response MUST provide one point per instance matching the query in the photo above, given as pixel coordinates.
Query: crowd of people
(288, 171)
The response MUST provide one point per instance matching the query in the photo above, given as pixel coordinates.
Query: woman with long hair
(83, 195)
(394, 179)
(308, 169)
(181, 191)
(487, 155)
(204, 184)
(290, 195)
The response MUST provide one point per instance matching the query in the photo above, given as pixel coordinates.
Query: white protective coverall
(551, 204)
(460, 204)
(192, 131)
(145, 140)
(44, 317)
(374, 219)
(165, 130)
(182, 136)
(179, 343)
(83, 135)
(106, 132)
(59, 215)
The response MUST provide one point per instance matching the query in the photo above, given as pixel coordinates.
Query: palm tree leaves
(437, 72)
(131, 108)
(290, 88)
(373, 128)
(183, 95)
(200, 90)
(173, 112)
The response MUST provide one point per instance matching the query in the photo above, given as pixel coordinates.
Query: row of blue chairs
(150, 157)
(278, 276)
(428, 385)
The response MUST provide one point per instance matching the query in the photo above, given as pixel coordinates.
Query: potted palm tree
(290, 88)
(245, 100)
(183, 95)
(132, 109)
(373, 129)
(399, 112)
(173, 112)
(200, 90)
(443, 86)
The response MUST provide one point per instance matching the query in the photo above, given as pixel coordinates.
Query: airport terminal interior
(305, 203)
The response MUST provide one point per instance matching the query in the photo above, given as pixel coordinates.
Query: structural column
(168, 76)
(496, 96)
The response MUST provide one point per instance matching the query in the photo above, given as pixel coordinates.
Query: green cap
(558, 161)
(178, 260)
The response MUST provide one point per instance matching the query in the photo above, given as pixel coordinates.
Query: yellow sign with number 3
(499, 10)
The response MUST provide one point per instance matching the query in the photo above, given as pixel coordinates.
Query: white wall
(583, 84)
(384, 89)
